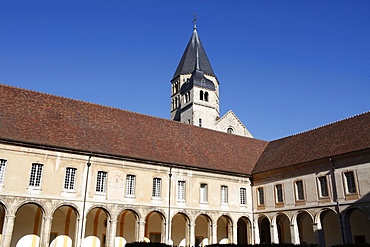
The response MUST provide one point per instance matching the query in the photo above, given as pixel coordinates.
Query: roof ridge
(325, 125)
(82, 101)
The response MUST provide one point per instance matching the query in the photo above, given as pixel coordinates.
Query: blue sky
(284, 66)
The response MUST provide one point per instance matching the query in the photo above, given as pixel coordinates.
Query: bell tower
(195, 88)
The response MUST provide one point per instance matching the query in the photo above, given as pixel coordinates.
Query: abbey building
(79, 174)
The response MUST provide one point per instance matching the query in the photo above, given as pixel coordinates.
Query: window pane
(101, 182)
(35, 178)
(223, 194)
(69, 181)
(130, 185)
(261, 197)
(323, 186)
(203, 193)
(156, 187)
(300, 192)
(350, 179)
(243, 196)
(181, 190)
(279, 193)
(2, 170)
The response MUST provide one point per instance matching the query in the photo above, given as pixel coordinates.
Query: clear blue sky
(283, 66)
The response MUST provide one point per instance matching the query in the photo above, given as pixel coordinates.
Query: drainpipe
(84, 202)
(335, 197)
(169, 207)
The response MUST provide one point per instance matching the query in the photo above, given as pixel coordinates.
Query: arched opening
(331, 228)
(2, 219)
(357, 224)
(244, 231)
(201, 95)
(224, 231)
(127, 224)
(206, 96)
(283, 229)
(27, 226)
(264, 226)
(202, 230)
(154, 227)
(63, 228)
(96, 228)
(305, 229)
(179, 230)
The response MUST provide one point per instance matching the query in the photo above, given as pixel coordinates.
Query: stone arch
(224, 229)
(127, 226)
(97, 224)
(3, 214)
(64, 225)
(203, 229)
(28, 223)
(69, 204)
(304, 221)
(180, 229)
(155, 222)
(356, 221)
(328, 224)
(264, 224)
(244, 230)
(30, 201)
(282, 224)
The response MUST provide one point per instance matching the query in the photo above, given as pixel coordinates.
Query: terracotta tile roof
(349, 135)
(42, 119)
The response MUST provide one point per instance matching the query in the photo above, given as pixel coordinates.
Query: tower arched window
(175, 103)
(230, 130)
(206, 96)
(201, 95)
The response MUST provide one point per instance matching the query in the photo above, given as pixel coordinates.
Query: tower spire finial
(195, 20)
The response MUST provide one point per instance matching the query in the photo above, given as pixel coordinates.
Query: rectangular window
(2, 170)
(101, 182)
(130, 185)
(203, 193)
(299, 190)
(279, 193)
(181, 190)
(36, 172)
(261, 196)
(156, 188)
(350, 181)
(243, 196)
(70, 178)
(323, 183)
(224, 197)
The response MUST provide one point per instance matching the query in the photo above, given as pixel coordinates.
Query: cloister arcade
(32, 225)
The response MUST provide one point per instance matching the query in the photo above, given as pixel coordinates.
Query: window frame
(299, 190)
(130, 185)
(224, 195)
(279, 193)
(203, 193)
(260, 196)
(3, 163)
(156, 189)
(181, 190)
(353, 183)
(243, 196)
(36, 175)
(70, 179)
(101, 182)
(322, 189)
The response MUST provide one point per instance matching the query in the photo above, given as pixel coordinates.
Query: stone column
(274, 234)
(294, 233)
(234, 238)
(45, 230)
(213, 239)
(8, 230)
(191, 238)
(112, 233)
(141, 233)
(318, 234)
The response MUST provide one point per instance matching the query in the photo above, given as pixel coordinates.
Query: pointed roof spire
(195, 20)
(194, 53)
